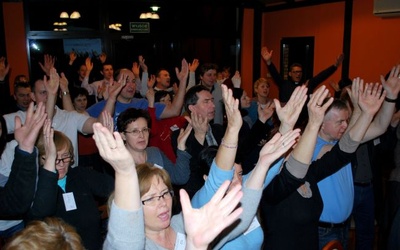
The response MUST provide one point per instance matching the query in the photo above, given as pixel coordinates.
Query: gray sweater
(126, 228)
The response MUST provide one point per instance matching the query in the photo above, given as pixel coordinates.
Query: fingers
(185, 202)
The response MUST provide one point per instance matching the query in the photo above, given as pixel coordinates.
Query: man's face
(205, 105)
(296, 73)
(40, 93)
(82, 71)
(209, 78)
(108, 72)
(335, 124)
(163, 80)
(22, 97)
(128, 91)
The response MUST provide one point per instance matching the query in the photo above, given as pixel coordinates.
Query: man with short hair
(199, 103)
(286, 87)
(100, 89)
(22, 96)
(68, 122)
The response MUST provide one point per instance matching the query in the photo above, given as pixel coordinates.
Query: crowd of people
(196, 164)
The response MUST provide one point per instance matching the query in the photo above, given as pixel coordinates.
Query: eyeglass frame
(136, 132)
(60, 160)
(158, 197)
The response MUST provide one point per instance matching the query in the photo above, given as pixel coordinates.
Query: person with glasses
(286, 87)
(66, 192)
(134, 126)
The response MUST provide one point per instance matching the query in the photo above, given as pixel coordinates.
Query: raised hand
(107, 121)
(182, 137)
(89, 65)
(266, 55)
(151, 81)
(205, 224)
(235, 119)
(142, 64)
(135, 69)
(27, 134)
(184, 72)
(112, 149)
(371, 99)
(193, 66)
(49, 146)
(116, 87)
(339, 60)
(150, 96)
(265, 113)
(3, 68)
(392, 84)
(317, 107)
(48, 64)
(357, 87)
(63, 82)
(53, 83)
(289, 114)
(236, 79)
(276, 147)
(72, 57)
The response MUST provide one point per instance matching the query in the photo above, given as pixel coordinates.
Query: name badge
(69, 201)
(174, 127)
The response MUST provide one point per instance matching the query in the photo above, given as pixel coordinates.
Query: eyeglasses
(63, 160)
(136, 132)
(167, 195)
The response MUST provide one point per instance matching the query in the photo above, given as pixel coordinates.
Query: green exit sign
(139, 27)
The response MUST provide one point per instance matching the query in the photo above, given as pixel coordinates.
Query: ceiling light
(155, 16)
(143, 16)
(64, 15)
(75, 15)
(148, 15)
(154, 8)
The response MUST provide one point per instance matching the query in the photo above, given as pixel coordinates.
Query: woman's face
(80, 103)
(237, 177)
(63, 162)
(263, 89)
(157, 215)
(209, 78)
(166, 100)
(136, 135)
(245, 100)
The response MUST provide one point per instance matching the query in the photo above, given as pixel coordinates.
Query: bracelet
(228, 145)
(390, 100)
(64, 93)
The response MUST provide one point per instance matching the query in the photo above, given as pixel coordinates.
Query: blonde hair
(146, 172)
(61, 142)
(259, 81)
(52, 233)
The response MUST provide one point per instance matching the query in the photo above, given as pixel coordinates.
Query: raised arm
(192, 73)
(17, 195)
(383, 117)
(289, 113)
(51, 86)
(226, 153)
(175, 108)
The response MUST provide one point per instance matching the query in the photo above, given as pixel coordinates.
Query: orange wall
(375, 43)
(374, 40)
(325, 22)
(14, 30)
(246, 72)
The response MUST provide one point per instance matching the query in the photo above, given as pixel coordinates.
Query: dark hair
(206, 157)
(295, 65)
(161, 94)
(3, 137)
(191, 96)
(131, 115)
(77, 91)
(159, 71)
(18, 85)
(17, 79)
(336, 104)
(206, 67)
